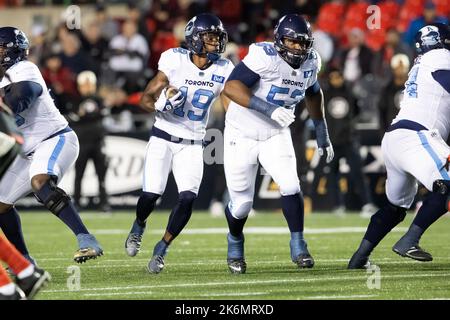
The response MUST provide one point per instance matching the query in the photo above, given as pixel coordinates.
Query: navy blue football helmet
(296, 28)
(198, 27)
(14, 46)
(432, 36)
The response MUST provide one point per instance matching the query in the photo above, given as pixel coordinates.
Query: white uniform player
(50, 147)
(196, 77)
(415, 150)
(264, 90)
(419, 155)
(201, 88)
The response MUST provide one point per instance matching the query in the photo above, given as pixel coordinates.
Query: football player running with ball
(264, 90)
(414, 149)
(50, 148)
(199, 75)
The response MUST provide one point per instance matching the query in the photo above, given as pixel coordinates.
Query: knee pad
(442, 187)
(187, 197)
(390, 213)
(241, 210)
(54, 199)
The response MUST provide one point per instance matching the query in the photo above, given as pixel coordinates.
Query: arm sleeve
(19, 96)
(242, 73)
(314, 89)
(443, 78)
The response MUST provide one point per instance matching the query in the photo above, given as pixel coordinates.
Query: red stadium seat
(375, 39)
(356, 16)
(442, 7)
(407, 14)
(330, 18)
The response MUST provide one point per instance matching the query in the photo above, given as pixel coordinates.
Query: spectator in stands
(340, 112)
(129, 54)
(85, 118)
(357, 59)
(108, 27)
(429, 16)
(94, 44)
(323, 43)
(118, 116)
(39, 46)
(74, 57)
(392, 46)
(60, 80)
(138, 16)
(392, 93)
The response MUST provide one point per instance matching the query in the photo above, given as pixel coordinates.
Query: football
(171, 91)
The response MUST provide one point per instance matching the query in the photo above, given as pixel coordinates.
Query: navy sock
(433, 207)
(235, 225)
(381, 223)
(71, 218)
(12, 228)
(293, 211)
(145, 206)
(181, 214)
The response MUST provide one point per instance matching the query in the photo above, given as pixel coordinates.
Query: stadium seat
(408, 12)
(330, 18)
(355, 16)
(376, 38)
(442, 7)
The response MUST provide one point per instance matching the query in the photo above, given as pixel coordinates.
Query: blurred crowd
(365, 60)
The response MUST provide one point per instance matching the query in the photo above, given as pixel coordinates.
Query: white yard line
(341, 297)
(252, 282)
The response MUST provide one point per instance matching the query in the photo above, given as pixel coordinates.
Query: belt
(65, 130)
(168, 137)
(406, 124)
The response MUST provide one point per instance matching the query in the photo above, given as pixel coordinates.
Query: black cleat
(33, 283)
(17, 295)
(358, 262)
(304, 260)
(415, 252)
(237, 266)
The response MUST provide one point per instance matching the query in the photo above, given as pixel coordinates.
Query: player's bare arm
(315, 105)
(225, 101)
(238, 92)
(153, 90)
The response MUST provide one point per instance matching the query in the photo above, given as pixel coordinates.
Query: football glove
(284, 117)
(164, 104)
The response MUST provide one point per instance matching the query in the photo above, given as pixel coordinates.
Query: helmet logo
(190, 27)
(430, 36)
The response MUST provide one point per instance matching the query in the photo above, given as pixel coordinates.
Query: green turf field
(196, 264)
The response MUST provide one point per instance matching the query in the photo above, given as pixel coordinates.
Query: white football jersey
(40, 120)
(425, 101)
(279, 84)
(201, 87)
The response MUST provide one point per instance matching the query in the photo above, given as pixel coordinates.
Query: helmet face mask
(293, 39)
(14, 47)
(205, 31)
